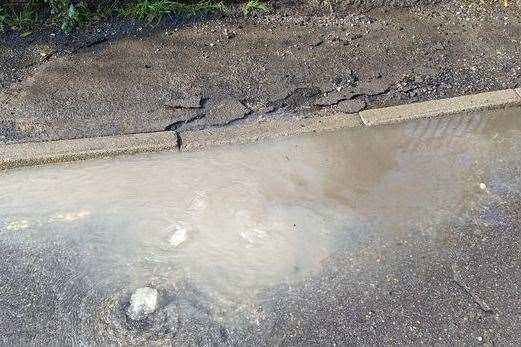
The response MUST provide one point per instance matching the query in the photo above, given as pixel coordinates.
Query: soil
(121, 77)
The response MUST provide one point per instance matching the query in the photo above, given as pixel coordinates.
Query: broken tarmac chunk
(334, 98)
(143, 303)
(372, 87)
(299, 97)
(226, 111)
(190, 102)
(347, 79)
(351, 106)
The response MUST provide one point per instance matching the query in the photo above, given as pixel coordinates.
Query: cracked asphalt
(400, 234)
(121, 78)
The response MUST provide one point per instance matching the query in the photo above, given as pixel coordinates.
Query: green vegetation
(23, 20)
(255, 6)
(69, 15)
(3, 20)
(147, 9)
(200, 8)
(72, 14)
(57, 8)
(105, 9)
(156, 9)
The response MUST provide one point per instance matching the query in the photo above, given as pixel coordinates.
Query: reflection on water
(234, 222)
(229, 231)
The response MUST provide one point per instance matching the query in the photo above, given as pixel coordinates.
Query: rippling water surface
(215, 231)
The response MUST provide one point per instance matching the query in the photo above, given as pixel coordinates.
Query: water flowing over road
(407, 233)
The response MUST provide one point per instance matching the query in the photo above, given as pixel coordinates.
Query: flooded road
(397, 234)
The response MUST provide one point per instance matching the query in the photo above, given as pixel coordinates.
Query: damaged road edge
(207, 138)
(253, 132)
(36, 153)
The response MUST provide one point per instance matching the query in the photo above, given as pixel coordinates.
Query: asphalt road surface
(402, 234)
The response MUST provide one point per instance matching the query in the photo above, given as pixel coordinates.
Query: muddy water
(216, 231)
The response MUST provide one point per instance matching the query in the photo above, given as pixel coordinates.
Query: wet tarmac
(402, 234)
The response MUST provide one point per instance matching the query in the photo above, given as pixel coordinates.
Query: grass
(58, 8)
(255, 6)
(147, 9)
(106, 9)
(3, 20)
(72, 14)
(150, 10)
(69, 15)
(23, 20)
(199, 8)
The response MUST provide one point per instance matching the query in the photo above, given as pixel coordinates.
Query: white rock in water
(482, 186)
(143, 302)
(179, 236)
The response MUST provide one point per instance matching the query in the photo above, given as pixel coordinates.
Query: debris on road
(460, 281)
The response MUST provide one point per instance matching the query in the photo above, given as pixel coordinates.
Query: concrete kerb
(27, 154)
(442, 107)
(36, 153)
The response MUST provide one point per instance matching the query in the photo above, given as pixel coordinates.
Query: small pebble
(482, 186)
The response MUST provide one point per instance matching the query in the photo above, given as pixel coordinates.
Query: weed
(70, 14)
(67, 14)
(77, 15)
(24, 20)
(58, 9)
(156, 9)
(3, 20)
(147, 9)
(106, 9)
(200, 8)
(255, 6)
(328, 5)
